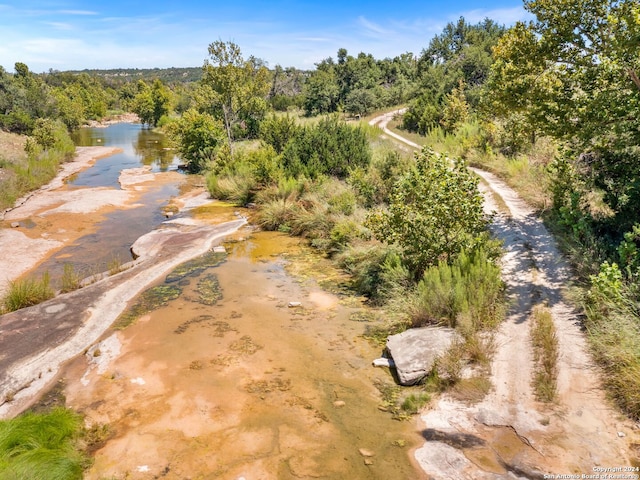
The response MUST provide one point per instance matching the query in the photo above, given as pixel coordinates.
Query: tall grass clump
(235, 187)
(613, 329)
(70, 279)
(37, 446)
(27, 292)
(376, 270)
(470, 287)
(545, 354)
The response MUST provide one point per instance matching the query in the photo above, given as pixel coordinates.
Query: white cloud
(60, 25)
(373, 28)
(77, 12)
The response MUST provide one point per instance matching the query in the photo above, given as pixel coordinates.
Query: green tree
(198, 138)
(573, 75)
(143, 103)
(151, 103)
(236, 89)
(361, 101)
(456, 109)
(435, 212)
(321, 91)
(161, 97)
(462, 52)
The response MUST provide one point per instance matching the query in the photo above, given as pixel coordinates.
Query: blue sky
(71, 35)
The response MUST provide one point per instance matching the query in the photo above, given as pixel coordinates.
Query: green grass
(37, 446)
(27, 292)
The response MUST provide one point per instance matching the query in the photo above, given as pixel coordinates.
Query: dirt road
(509, 434)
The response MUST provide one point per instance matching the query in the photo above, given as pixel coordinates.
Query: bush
(52, 135)
(435, 212)
(613, 329)
(329, 148)
(198, 138)
(376, 271)
(470, 287)
(277, 131)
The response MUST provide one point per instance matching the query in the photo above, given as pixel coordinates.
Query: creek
(227, 381)
(223, 379)
(110, 239)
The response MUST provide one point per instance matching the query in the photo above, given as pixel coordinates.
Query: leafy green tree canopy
(152, 102)
(198, 138)
(461, 53)
(573, 75)
(236, 89)
(435, 211)
(573, 72)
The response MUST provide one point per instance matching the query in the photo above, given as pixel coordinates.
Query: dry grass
(12, 147)
(545, 354)
(471, 390)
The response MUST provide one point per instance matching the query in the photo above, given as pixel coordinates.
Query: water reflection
(153, 149)
(140, 146)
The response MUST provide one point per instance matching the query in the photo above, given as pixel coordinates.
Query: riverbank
(35, 341)
(22, 245)
(57, 215)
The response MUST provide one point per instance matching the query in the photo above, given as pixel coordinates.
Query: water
(244, 386)
(108, 241)
(140, 146)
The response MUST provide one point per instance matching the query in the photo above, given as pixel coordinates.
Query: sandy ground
(509, 434)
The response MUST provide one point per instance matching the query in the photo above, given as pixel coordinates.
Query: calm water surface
(111, 241)
(140, 146)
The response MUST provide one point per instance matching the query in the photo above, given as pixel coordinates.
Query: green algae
(149, 300)
(208, 289)
(195, 267)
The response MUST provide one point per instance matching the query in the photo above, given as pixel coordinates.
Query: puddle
(244, 386)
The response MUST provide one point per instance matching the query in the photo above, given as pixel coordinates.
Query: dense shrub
(376, 270)
(469, 288)
(278, 130)
(329, 148)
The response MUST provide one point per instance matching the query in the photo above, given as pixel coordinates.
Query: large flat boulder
(415, 350)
